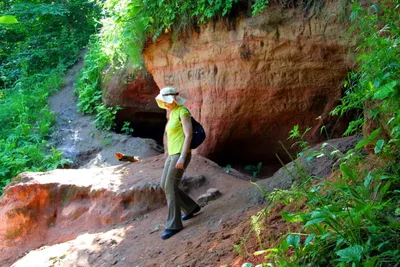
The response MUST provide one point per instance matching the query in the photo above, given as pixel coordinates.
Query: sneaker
(190, 215)
(168, 233)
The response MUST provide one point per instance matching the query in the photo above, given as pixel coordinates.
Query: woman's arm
(188, 132)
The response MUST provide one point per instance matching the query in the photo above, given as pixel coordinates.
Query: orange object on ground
(122, 157)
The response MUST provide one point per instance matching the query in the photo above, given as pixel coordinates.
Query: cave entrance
(243, 154)
(250, 156)
(145, 125)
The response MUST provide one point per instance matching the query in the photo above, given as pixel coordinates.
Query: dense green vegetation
(35, 51)
(353, 219)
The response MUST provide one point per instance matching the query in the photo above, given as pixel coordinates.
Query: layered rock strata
(250, 81)
(134, 91)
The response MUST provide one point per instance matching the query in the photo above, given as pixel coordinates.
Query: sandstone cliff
(250, 81)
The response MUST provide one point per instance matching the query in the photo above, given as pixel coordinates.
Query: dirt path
(79, 140)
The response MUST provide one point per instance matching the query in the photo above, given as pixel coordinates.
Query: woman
(179, 136)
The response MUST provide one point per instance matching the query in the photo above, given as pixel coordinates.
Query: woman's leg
(186, 203)
(176, 198)
(165, 172)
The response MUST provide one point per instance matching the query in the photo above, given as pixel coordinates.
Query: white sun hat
(169, 95)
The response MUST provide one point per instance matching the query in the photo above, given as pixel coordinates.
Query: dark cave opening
(243, 154)
(248, 155)
(145, 125)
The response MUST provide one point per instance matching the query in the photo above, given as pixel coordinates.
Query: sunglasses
(170, 94)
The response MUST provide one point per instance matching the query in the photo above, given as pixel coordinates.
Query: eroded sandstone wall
(134, 90)
(250, 81)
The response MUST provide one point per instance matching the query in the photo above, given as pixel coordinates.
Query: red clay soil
(206, 240)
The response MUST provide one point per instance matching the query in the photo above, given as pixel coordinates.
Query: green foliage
(174, 14)
(295, 133)
(118, 43)
(180, 16)
(105, 117)
(124, 31)
(259, 6)
(34, 55)
(370, 139)
(87, 86)
(45, 36)
(128, 24)
(375, 87)
(255, 169)
(8, 19)
(350, 220)
(228, 168)
(126, 128)
(27, 120)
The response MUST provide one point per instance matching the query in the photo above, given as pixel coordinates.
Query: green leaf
(314, 221)
(309, 239)
(382, 245)
(309, 158)
(293, 241)
(397, 212)
(385, 188)
(350, 254)
(325, 236)
(368, 179)
(250, 168)
(315, 189)
(284, 245)
(260, 252)
(385, 91)
(371, 262)
(339, 241)
(259, 165)
(290, 217)
(379, 145)
(8, 19)
(374, 134)
(347, 172)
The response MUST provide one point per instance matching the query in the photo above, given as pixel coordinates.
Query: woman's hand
(180, 163)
